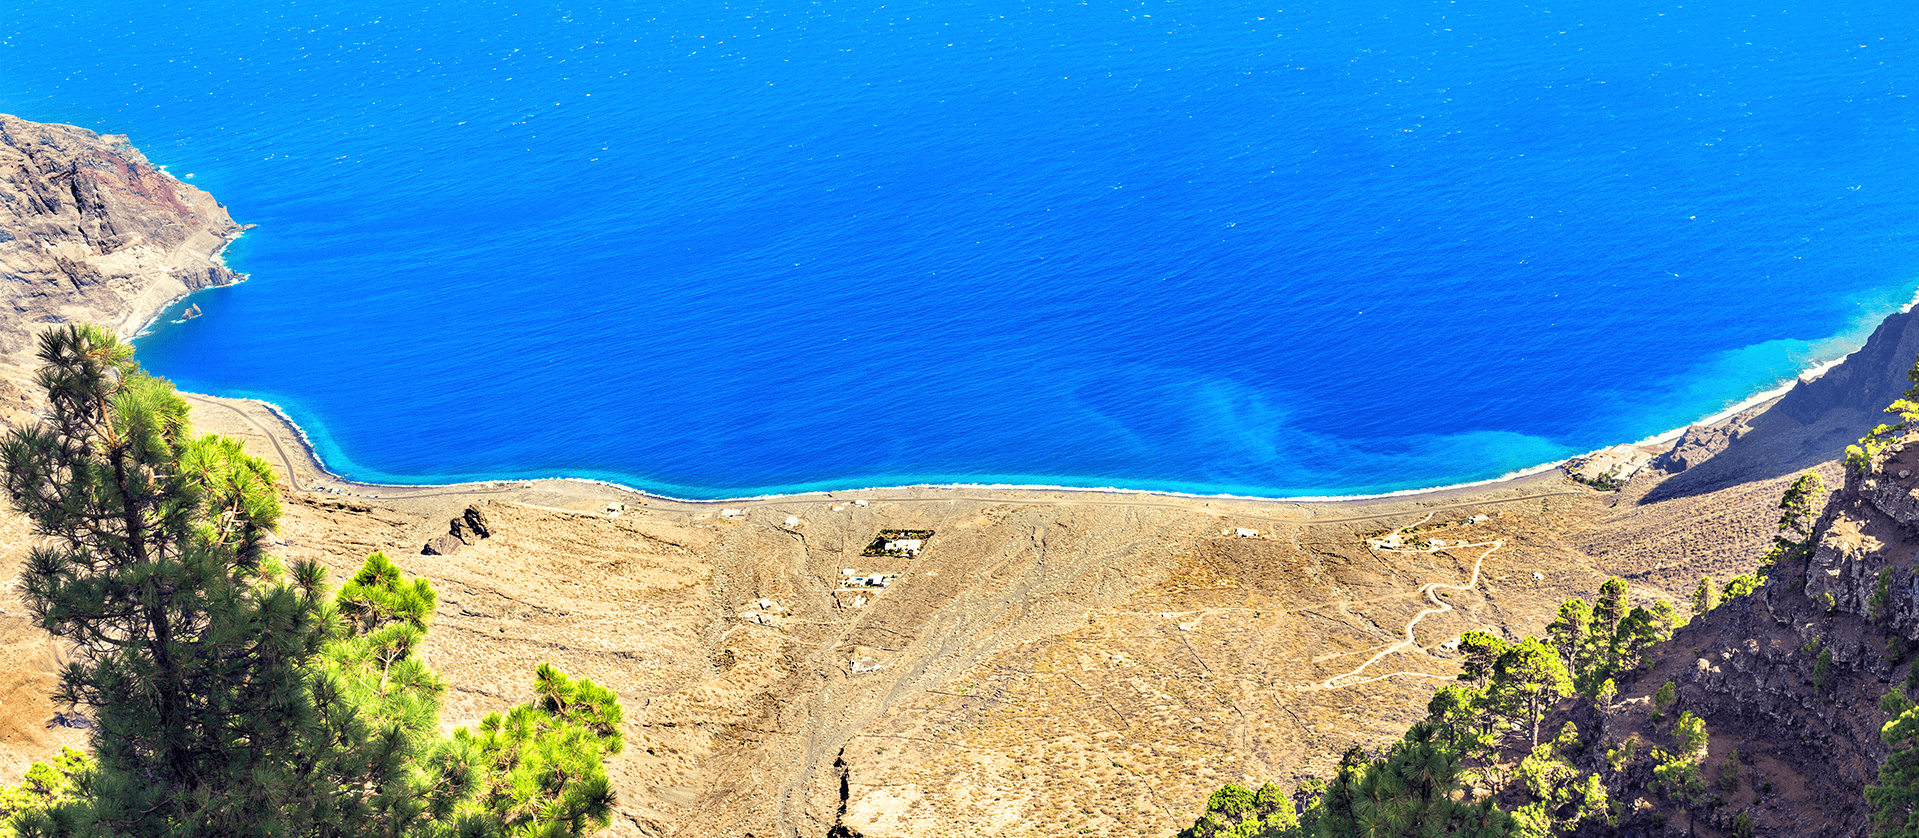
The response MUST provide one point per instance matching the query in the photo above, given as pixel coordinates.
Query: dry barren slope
(1045, 667)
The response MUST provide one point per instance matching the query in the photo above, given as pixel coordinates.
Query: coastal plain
(1048, 662)
(1052, 662)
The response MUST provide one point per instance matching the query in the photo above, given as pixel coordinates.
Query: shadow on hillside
(1812, 423)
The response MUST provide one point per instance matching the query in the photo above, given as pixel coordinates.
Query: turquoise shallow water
(719, 248)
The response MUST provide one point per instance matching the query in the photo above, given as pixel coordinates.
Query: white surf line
(1409, 641)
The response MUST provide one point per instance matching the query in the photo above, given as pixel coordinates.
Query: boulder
(475, 520)
(445, 545)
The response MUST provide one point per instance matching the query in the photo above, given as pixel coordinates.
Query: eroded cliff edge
(91, 231)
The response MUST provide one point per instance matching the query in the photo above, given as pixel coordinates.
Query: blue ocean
(713, 248)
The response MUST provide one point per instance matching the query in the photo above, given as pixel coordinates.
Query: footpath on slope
(1410, 641)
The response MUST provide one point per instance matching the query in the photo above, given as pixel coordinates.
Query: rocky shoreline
(91, 231)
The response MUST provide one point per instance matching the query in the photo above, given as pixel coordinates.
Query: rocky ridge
(91, 231)
(1791, 675)
(1810, 424)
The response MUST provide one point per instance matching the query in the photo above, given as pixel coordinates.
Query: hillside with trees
(1783, 707)
(230, 694)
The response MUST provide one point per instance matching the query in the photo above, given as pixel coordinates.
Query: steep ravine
(1808, 742)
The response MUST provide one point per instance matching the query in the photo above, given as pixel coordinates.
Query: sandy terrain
(1052, 663)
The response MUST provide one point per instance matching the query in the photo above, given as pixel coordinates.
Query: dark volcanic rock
(445, 545)
(1698, 444)
(471, 526)
(475, 520)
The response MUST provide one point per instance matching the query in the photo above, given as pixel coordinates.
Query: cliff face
(91, 232)
(1807, 732)
(1811, 424)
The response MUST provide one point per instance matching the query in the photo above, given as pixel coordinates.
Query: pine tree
(1895, 798)
(1456, 712)
(543, 764)
(188, 645)
(1571, 634)
(1662, 699)
(1480, 649)
(1704, 597)
(1610, 608)
(231, 698)
(1800, 507)
(1529, 678)
(1237, 812)
(1739, 586)
(1414, 789)
(46, 784)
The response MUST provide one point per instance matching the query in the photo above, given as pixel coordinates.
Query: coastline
(288, 430)
(285, 429)
(307, 472)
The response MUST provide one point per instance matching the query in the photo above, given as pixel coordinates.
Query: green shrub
(1662, 700)
(1728, 779)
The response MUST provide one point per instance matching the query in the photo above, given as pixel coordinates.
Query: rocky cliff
(1812, 423)
(1791, 676)
(90, 231)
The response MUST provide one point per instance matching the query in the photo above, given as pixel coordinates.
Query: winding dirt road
(1444, 607)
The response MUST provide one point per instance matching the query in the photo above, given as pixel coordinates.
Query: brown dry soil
(1054, 663)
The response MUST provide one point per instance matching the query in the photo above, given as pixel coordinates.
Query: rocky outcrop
(1812, 423)
(470, 527)
(90, 231)
(1698, 444)
(472, 523)
(1791, 675)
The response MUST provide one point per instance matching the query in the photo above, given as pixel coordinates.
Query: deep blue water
(722, 247)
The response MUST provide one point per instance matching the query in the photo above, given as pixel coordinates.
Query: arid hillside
(1045, 663)
(1048, 663)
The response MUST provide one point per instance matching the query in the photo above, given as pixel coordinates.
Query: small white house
(860, 503)
(792, 520)
(1244, 532)
(1479, 519)
(731, 514)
